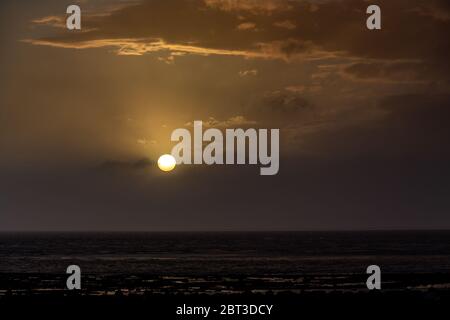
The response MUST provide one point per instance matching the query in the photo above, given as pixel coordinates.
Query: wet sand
(292, 296)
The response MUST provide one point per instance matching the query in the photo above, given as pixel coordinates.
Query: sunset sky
(364, 116)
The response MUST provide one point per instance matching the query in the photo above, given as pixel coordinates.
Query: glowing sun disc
(166, 162)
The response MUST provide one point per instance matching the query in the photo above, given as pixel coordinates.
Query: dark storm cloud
(330, 24)
(279, 30)
(387, 71)
(285, 102)
(281, 109)
(393, 71)
(287, 30)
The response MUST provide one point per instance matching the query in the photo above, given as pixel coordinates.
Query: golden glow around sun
(166, 162)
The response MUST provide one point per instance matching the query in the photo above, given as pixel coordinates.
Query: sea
(223, 262)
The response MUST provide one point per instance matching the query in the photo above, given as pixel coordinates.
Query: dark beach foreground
(427, 305)
(154, 274)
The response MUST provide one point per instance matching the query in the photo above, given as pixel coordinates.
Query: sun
(166, 162)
